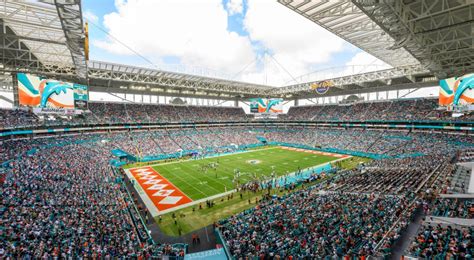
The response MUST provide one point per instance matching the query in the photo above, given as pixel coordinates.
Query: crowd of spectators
(453, 208)
(110, 112)
(466, 155)
(445, 238)
(64, 201)
(377, 142)
(443, 242)
(17, 118)
(114, 113)
(145, 143)
(441, 181)
(11, 149)
(148, 113)
(392, 110)
(334, 138)
(273, 228)
(452, 176)
(388, 176)
(307, 224)
(154, 142)
(61, 199)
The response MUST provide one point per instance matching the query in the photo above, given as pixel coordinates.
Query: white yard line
(191, 175)
(234, 190)
(251, 151)
(312, 167)
(181, 179)
(155, 212)
(195, 202)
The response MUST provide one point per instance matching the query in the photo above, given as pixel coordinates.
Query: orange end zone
(161, 192)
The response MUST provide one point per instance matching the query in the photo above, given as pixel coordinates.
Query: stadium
(237, 129)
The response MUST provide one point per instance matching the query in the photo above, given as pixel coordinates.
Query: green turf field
(192, 218)
(197, 184)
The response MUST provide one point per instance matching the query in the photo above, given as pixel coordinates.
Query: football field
(171, 184)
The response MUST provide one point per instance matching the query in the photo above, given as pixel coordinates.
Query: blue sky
(257, 41)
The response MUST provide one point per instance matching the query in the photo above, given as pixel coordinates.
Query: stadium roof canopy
(42, 36)
(436, 35)
(347, 21)
(423, 40)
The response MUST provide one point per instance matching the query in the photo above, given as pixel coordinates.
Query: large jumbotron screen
(266, 106)
(457, 91)
(40, 92)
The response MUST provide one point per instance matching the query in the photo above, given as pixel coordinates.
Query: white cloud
(361, 62)
(235, 7)
(195, 31)
(295, 42)
(90, 16)
(364, 62)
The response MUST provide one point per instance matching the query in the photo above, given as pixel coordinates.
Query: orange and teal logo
(457, 91)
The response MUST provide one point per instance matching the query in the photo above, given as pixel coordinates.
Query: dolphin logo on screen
(51, 87)
(464, 84)
(271, 103)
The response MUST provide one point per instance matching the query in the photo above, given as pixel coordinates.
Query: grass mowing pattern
(196, 184)
(189, 220)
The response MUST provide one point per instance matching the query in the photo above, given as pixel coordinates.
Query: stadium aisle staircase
(192, 139)
(381, 135)
(127, 114)
(460, 181)
(397, 148)
(153, 139)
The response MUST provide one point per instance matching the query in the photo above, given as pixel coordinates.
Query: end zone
(160, 196)
(157, 192)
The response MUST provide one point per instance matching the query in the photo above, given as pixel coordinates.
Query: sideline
(155, 212)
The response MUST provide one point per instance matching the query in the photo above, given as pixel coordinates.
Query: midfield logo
(161, 192)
